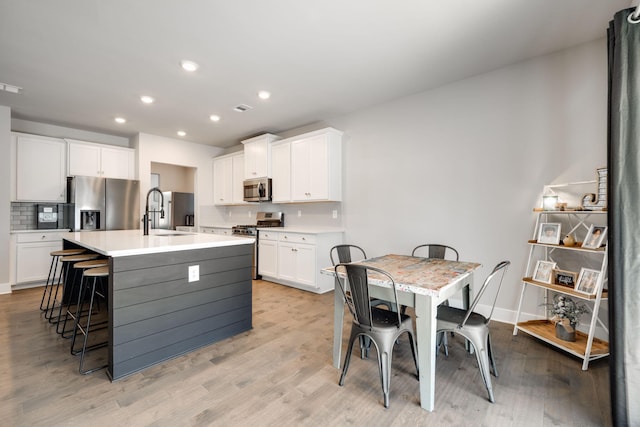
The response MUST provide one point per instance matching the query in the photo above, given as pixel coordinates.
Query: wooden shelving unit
(587, 346)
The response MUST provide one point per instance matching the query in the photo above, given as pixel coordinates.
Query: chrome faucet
(145, 218)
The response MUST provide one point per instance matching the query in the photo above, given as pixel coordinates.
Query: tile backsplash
(24, 216)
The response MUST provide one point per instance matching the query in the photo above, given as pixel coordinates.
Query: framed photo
(564, 278)
(549, 233)
(595, 237)
(587, 281)
(543, 272)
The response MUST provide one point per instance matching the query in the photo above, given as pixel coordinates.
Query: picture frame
(587, 281)
(564, 278)
(595, 237)
(549, 233)
(543, 271)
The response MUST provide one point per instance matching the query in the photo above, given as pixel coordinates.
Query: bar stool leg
(63, 272)
(71, 291)
(49, 283)
(86, 335)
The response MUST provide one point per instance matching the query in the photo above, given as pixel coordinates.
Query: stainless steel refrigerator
(103, 203)
(178, 210)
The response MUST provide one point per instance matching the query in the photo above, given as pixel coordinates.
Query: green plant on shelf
(564, 310)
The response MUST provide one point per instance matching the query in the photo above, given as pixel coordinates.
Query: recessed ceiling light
(263, 94)
(182, 133)
(147, 99)
(214, 118)
(120, 120)
(189, 66)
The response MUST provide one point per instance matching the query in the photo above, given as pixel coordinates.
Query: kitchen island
(170, 292)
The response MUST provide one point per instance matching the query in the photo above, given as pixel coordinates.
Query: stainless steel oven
(263, 219)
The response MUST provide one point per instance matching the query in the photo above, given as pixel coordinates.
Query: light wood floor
(280, 373)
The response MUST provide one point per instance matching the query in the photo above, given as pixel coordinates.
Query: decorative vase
(569, 240)
(566, 333)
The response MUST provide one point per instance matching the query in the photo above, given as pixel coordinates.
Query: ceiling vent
(10, 88)
(242, 108)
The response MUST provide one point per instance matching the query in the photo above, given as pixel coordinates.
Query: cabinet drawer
(297, 238)
(38, 237)
(268, 235)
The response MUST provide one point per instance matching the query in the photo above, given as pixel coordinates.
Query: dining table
(421, 283)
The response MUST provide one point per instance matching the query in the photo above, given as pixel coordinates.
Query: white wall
(152, 148)
(466, 163)
(5, 194)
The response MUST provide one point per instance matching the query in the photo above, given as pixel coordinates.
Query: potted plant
(565, 313)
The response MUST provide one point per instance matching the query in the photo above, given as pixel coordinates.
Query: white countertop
(133, 242)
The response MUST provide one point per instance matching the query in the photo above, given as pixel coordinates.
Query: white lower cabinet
(268, 254)
(295, 259)
(32, 255)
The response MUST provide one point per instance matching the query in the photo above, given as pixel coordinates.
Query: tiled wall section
(23, 216)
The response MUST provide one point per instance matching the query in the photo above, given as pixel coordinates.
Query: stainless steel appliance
(103, 203)
(257, 190)
(263, 219)
(47, 216)
(178, 210)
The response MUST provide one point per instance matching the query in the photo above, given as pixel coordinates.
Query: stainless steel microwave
(257, 190)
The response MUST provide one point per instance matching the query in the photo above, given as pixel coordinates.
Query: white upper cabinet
(257, 156)
(228, 174)
(316, 166)
(222, 180)
(105, 161)
(281, 171)
(40, 168)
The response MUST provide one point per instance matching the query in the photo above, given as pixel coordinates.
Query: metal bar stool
(83, 265)
(68, 287)
(53, 269)
(95, 273)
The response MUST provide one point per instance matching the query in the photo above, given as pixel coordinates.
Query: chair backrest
(359, 302)
(342, 254)
(434, 250)
(498, 273)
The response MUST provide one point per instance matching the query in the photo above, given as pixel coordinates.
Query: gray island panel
(157, 314)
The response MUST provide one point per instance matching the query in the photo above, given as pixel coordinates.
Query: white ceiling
(84, 62)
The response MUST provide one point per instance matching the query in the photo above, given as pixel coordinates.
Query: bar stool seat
(95, 273)
(51, 278)
(82, 265)
(68, 287)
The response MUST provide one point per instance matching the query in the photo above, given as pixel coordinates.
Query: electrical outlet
(229, 214)
(299, 214)
(334, 214)
(249, 214)
(194, 273)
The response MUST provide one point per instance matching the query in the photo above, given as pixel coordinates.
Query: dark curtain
(624, 218)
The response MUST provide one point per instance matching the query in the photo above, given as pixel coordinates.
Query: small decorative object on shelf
(549, 233)
(566, 315)
(569, 240)
(595, 237)
(592, 201)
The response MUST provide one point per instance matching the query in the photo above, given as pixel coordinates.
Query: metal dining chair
(382, 327)
(344, 254)
(475, 327)
(436, 250)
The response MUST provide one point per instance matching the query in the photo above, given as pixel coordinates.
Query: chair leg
(86, 335)
(384, 367)
(414, 351)
(491, 358)
(483, 364)
(347, 359)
